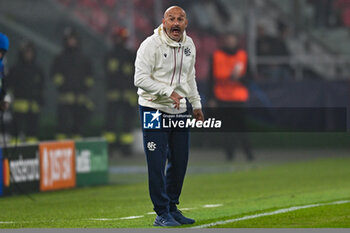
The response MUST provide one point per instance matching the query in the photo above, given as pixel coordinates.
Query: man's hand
(198, 114)
(176, 99)
(4, 105)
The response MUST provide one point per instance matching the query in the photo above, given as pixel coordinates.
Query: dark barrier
(320, 95)
(308, 93)
(289, 114)
(286, 119)
(91, 162)
(21, 171)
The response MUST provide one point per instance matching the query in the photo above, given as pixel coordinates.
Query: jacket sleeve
(144, 65)
(194, 97)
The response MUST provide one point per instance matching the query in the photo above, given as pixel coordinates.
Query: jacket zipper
(182, 55)
(172, 78)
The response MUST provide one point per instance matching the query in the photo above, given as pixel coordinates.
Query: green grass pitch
(256, 190)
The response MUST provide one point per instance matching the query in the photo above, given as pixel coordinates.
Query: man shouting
(165, 76)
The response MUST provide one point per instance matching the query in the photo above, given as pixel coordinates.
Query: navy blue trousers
(165, 147)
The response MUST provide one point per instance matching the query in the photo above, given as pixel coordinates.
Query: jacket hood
(166, 39)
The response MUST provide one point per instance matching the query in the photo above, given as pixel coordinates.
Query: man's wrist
(196, 105)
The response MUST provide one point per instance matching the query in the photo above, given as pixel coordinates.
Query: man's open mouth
(176, 30)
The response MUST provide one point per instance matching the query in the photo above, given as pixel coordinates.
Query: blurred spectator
(281, 48)
(206, 44)
(182, 3)
(216, 12)
(344, 7)
(229, 73)
(121, 96)
(322, 12)
(72, 76)
(26, 83)
(273, 46)
(264, 47)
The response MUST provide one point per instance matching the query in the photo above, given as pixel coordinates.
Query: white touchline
(185, 209)
(280, 211)
(113, 219)
(212, 205)
(131, 217)
(149, 213)
(103, 219)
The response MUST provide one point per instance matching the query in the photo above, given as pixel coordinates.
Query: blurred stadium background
(298, 52)
(297, 49)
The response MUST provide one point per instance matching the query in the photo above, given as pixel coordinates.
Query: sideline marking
(6, 222)
(280, 211)
(131, 217)
(149, 213)
(185, 209)
(113, 219)
(103, 219)
(212, 205)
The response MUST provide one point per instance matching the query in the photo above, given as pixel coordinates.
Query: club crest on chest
(187, 51)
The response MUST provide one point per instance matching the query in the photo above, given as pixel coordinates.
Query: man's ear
(186, 21)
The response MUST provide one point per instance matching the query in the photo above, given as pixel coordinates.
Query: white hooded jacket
(162, 66)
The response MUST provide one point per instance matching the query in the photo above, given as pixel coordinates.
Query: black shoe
(177, 215)
(165, 220)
